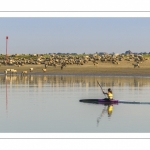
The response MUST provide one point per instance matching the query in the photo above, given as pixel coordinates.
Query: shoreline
(81, 75)
(102, 69)
(108, 74)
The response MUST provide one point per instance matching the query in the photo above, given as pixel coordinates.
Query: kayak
(104, 101)
(99, 101)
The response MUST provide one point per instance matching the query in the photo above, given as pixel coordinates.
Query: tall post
(6, 48)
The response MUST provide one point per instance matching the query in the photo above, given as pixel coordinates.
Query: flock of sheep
(14, 71)
(64, 60)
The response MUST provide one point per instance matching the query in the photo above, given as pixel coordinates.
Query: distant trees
(128, 52)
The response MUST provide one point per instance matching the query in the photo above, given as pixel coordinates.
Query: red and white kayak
(106, 101)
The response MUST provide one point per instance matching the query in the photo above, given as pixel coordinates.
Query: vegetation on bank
(28, 56)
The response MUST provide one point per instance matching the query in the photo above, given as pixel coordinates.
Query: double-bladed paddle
(101, 87)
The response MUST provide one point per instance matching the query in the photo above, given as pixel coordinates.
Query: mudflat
(124, 68)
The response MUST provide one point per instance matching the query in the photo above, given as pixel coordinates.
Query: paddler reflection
(108, 110)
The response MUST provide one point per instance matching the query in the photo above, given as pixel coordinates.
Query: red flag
(6, 37)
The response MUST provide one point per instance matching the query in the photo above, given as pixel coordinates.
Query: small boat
(106, 101)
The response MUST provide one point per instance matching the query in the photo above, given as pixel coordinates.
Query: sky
(27, 35)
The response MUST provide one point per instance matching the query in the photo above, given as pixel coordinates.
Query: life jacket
(110, 95)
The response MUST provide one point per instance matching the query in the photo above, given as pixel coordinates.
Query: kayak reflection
(108, 106)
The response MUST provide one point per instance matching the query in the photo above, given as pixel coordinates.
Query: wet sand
(125, 68)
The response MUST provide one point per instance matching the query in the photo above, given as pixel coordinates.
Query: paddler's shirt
(110, 95)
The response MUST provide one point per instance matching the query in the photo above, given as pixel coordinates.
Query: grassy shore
(125, 68)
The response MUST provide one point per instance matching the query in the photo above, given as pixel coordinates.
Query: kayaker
(109, 94)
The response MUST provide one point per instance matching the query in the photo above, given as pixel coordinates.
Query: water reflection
(39, 81)
(71, 81)
(36, 104)
(6, 95)
(108, 109)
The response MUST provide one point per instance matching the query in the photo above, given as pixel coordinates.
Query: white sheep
(31, 69)
(24, 72)
(11, 70)
(14, 71)
(44, 70)
(8, 70)
(5, 71)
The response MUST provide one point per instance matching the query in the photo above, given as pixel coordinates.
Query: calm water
(51, 104)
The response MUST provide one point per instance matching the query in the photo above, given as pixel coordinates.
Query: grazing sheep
(13, 71)
(136, 65)
(44, 69)
(5, 71)
(8, 69)
(46, 66)
(31, 69)
(54, 64)
(24, 72)
(62, 67)
(95, 62)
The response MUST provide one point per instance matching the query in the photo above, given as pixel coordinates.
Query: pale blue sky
(74, 35)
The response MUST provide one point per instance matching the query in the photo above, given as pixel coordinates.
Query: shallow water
(50, 104)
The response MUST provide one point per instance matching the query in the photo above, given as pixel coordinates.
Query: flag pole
(6, 49)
